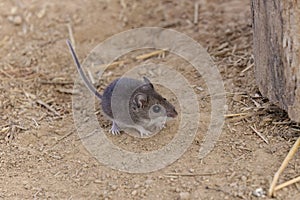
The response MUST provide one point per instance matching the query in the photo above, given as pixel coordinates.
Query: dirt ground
(41, 154)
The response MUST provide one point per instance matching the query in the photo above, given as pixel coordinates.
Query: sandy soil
(42, 156)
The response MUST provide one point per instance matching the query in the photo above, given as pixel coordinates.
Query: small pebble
(86, 119)
(257, 95)
(114, 187)
(97, 181)
(26, 185)
(134, 192)
(244, 178)
(173, 179)
(199, 88)
(148, 181)
(184, 195)
(16, 20)
(259, 192)
(136, 186)
(85, 166)
(41, 13)
(144, 191)
(14, 10)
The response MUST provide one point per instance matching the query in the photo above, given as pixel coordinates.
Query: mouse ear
(146, 80)
(140, 100)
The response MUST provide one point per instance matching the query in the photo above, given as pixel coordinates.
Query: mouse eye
(156, 108)
(165, 99)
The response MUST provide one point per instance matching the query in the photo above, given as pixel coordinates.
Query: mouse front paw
(160, 127)
(143, 131)
(115, 130)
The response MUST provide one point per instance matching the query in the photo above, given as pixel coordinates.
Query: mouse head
(147, 103)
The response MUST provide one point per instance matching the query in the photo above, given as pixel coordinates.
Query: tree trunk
(276, 35)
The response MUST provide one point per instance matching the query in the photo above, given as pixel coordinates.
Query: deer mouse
(131, 103)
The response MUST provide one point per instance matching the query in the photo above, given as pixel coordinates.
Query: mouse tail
(81, 72)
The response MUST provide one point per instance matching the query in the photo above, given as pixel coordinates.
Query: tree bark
(276, 49)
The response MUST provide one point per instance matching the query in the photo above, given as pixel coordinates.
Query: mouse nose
(172, 114)
(175, 112)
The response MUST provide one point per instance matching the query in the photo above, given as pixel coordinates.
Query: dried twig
(256, 103)
(65, 136)
(55, 82)
(290, 182)
(160, 52)
(221, 53)
(4, 40)
(4, 129)
(67, 91)
(235, 115)
(219, 189)
(191, 174)
(6, 74)
(196, 13)
(20, 127)
(88, 135)
(170, 24)
(35, 122)
(247, 68)
(113, 64)
(260, 135)
(282, 123)
(42, 103)
(222, 46)
(284, 164)
(149, 55)
(60, 139)
(123, 4)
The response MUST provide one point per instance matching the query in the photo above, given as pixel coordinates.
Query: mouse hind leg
(115, 129)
